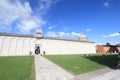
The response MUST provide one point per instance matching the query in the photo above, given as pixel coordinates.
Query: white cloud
(5, 8)
(75, 34)
(51, 27)
(112, 35)
(51, 34)
(27, 25)
(106, 4)
(65, 28)
(68, 34)
(88, 30)
(10, 12)
(63, 34)
(45, 5)
(22, 15)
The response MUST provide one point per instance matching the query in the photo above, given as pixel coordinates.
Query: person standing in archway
(37, 50)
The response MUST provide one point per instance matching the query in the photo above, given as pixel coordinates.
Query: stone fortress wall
(51, 46)
(10, 46)
(19, 44)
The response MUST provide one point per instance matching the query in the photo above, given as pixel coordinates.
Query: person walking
(118, 65)
(37, 51)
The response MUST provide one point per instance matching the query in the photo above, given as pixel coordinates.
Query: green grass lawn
(78, 64)
(17, 68)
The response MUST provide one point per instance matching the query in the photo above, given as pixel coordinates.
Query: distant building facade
(108, 48)
(21, 44)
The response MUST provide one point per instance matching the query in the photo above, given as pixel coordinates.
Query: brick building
(108, 48)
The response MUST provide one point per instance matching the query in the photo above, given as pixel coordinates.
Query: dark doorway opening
(37, 49)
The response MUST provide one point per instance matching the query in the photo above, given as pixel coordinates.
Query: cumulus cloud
(75, 34)
(26, 25)
(21, 15)
(63, 34)
(51, 34)
(112, 35)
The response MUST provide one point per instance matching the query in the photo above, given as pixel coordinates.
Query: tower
(83, 37)
(38, 33)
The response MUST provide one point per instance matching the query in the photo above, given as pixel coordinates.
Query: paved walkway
(46, 70)
(102, 74)
(112, 75)
(89, 75)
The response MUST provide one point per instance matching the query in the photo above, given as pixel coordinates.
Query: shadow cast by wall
(106, 60)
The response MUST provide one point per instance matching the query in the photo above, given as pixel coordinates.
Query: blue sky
(98, 19)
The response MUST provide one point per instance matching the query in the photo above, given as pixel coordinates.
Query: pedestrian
(119, 56)
(118, 60)
(37, 50)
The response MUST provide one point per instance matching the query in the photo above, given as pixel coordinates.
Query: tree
(108, 44)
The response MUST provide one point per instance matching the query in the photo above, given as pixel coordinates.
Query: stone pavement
(46, 70)
(112, 75)
(102, 74)
(92, 74)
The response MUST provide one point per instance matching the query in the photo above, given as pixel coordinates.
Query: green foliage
(78, 64)
(17, 68)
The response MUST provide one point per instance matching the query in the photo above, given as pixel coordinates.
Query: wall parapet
(16, 35)
(64, 39)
